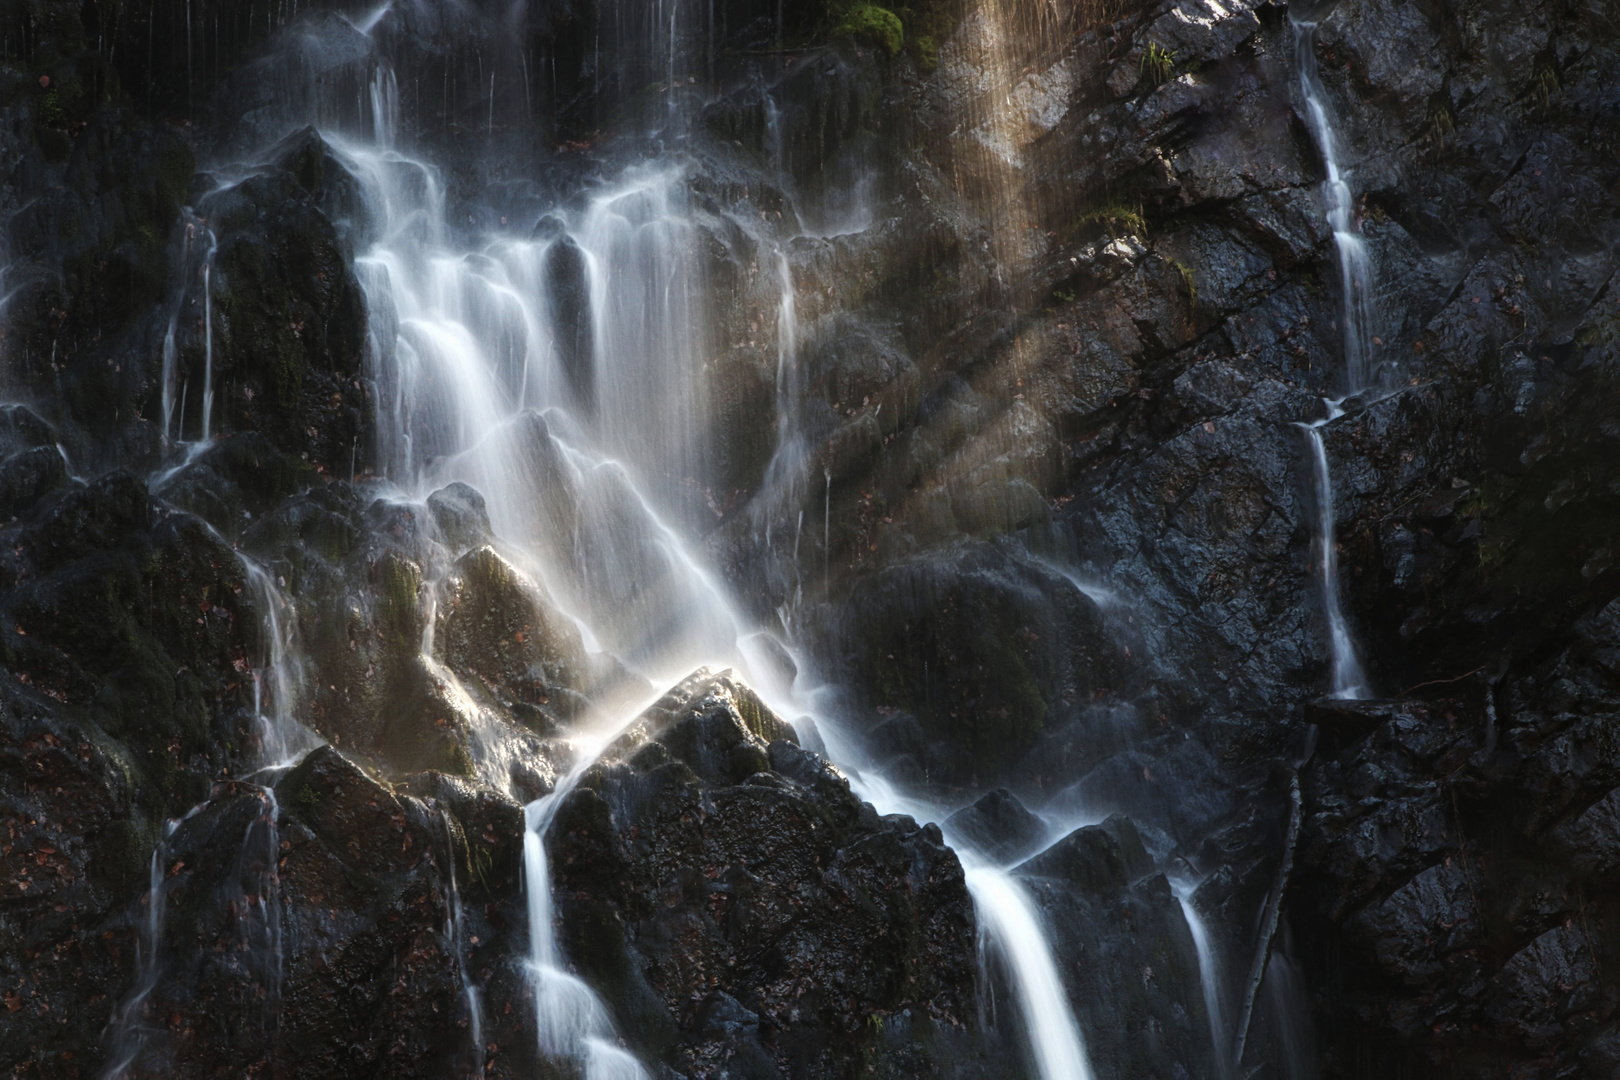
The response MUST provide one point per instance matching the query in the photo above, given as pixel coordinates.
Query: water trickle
(571, 1020)
(1355, 268)
(1355, 325)
(1209, 977)
(456, 940)
(196, 258)
(208, 353)
(129, 1031)
(283, 742)
(1349, 679)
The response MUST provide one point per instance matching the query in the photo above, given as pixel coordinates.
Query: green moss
(49, 113)
(927, 50)
(399, 584)
(456, 759)
(480, 861)
(1114, 216)
(879, 26)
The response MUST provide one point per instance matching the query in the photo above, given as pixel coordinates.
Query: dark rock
(810, 909)
(998, 825)
(569, 294)
(461, 517)
(28, 476)
(1097, 858)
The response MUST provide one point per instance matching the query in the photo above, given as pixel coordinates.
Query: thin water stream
(1349, 680)
(282, 743)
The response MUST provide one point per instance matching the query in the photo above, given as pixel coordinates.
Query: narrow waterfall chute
(1349, 678)
(1011, 925)
(1356, 337)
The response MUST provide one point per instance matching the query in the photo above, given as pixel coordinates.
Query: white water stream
(1349, 679)
(283, 742)
(1355, 333)
(471, 355)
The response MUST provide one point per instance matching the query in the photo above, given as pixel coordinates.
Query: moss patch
(880, 26)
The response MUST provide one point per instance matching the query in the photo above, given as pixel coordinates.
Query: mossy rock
(428, 724)
(496, 625)
(876, 25)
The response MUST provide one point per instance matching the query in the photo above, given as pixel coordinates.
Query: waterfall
(1355, 272)
(1209, 977)
(1355, 323)
(283, 742)
(1008, 923)
(571, 1020)
(1349, 680)
(558, 367)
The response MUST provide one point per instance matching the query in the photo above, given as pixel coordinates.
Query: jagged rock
(706, 841)
(496, 625)
(998, 825)
(461, 516)
(1098, 858)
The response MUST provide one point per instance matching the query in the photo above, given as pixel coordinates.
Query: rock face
(1019, 472)
(823, 939)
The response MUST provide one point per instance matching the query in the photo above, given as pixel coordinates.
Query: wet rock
(326, 177)
(235, 480)
(461, 516)
(290, 323)
(998, 825)
(28, 476)
(986, 680)
(1098, 858)
(496, 625)
(569, 295)
(705, 841)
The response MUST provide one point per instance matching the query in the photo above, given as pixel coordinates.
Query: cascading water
(282, 743)
(571, 1021)
(1355, 330)
(473, 364)
(1355, 268)
(559, 370)
(1349, 680)
(1209, 977)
